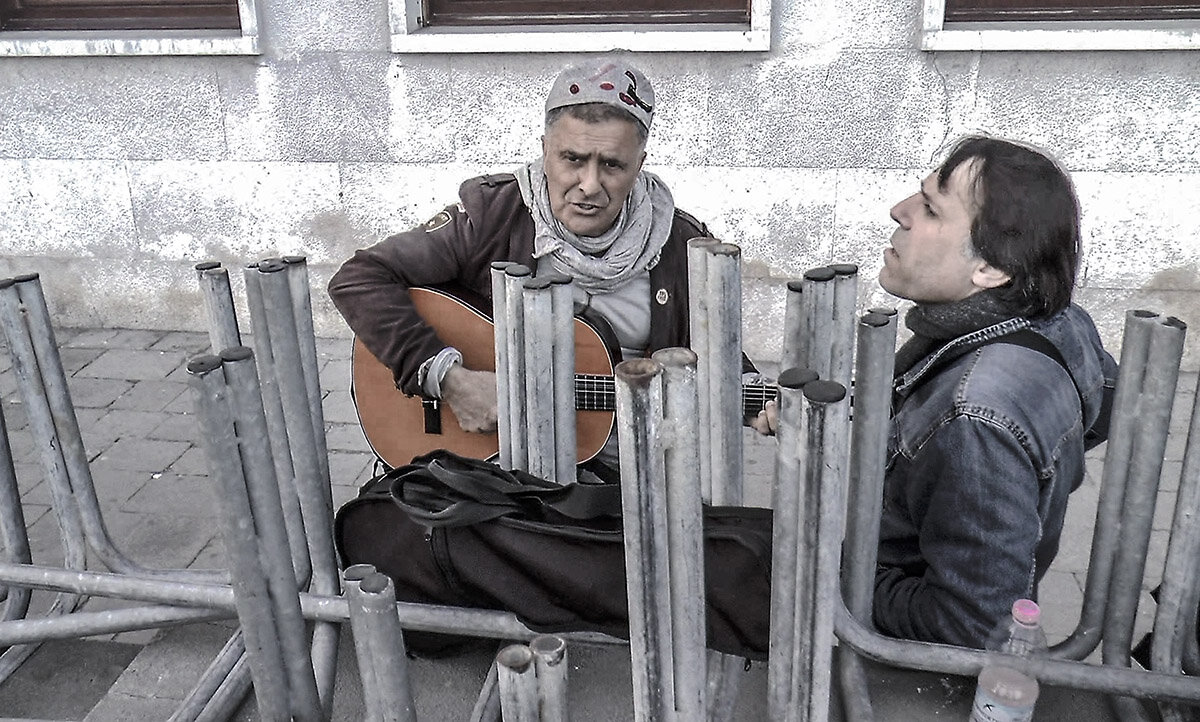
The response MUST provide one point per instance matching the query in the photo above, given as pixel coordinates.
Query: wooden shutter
(119, 15)
(557, 12)
(985, 10)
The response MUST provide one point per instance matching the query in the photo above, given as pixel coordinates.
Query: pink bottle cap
(1026, 611)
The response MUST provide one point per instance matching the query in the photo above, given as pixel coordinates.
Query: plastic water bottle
(1006, 693)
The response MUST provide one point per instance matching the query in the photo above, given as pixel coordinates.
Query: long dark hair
(1026, 221)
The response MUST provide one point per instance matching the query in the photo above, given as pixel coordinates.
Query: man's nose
(589, 179)
(901, 213)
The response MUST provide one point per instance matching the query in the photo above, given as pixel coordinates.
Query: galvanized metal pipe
(795, 341)
(108, 621)
(245, 400)
(817, 560)
(35, 395)
(373, 615)
(790, 461)
(351, 578)
(725, 373)
(297, 397)
(288, 312)
(514, 279)
(277, 431)
(725, 672)
(39, 337)
(698, 318)
(647, 571)
(517, 678)
(1135, 344)
(14, 535)
(218, 306)
(229, 694)
(538, 352)
(872, 415)
(949, 659)
(487, 706)
(563, 303)
(868, 456)
(324, 608)
(252, 595)
(551, 665)
(818, 301)
(1141, 488)
(306, 338)
(845, 309)
(221, 688)
(1176, 596)
(500, 316)
(685, 530)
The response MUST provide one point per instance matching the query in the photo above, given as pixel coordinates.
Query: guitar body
(395, 424)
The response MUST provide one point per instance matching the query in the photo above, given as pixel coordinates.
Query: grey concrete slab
(143, 454)
(132, 364)
(63, 680)
(150, 395)
(96, 392)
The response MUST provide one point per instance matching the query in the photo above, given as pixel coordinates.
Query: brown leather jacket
(457, 246)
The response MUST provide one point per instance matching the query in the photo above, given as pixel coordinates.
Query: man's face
(930, 259)
(590, 169)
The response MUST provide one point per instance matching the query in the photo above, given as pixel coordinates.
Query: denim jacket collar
(918, 372)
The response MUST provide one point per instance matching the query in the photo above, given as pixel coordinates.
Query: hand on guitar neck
(472, 396)
(767, 420)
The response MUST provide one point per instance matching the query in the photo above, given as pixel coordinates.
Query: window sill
(582, 38)
(198, 42)
(1090, 35)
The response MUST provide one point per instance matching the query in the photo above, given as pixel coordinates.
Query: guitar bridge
(433, 415)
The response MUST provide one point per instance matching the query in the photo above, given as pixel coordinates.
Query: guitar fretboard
(599, 393)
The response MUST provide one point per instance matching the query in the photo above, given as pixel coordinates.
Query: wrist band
(434, 370)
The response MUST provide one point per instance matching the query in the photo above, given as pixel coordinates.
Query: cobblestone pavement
(129, 389)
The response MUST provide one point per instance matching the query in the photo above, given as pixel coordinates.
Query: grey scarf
(602, 263)
(933, 324)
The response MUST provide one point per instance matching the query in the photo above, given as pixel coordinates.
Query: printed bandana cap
(612, 82)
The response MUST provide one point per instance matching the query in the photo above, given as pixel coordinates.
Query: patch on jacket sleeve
(443, 218)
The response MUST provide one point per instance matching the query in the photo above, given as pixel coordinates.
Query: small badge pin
(662, 297)
(443, 218)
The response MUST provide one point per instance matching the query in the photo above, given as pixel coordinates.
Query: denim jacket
(982, 455)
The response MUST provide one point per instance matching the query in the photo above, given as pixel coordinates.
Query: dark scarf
(933, 324)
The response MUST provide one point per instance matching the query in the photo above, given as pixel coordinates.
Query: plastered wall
(118, 175)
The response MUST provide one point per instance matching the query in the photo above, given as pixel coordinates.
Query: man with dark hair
(585, 208)
(996, 392)
(988, 432)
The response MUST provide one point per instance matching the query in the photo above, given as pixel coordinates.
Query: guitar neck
(599, 393)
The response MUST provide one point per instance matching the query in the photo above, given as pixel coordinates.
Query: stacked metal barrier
(277, 292)
(1150, 357)
(254, 533)
(379, 645)
(43, 387)
(660, 502)
(532, 680)
(715, 315)
(535, 371)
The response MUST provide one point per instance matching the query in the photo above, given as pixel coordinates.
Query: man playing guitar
(585, 208)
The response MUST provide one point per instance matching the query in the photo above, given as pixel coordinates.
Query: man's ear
(988, 276)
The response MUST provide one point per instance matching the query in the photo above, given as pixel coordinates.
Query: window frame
(46, 43)
(408, 35)
(937, 35)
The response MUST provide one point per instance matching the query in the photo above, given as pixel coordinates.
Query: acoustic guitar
(398, 426)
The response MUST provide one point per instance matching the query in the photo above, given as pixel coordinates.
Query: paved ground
(135, 412)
